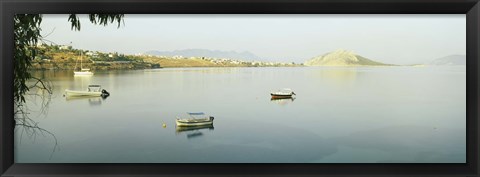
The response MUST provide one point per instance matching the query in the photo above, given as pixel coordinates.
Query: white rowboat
(194, 121)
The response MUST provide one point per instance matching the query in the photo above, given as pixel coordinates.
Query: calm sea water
(340, 115)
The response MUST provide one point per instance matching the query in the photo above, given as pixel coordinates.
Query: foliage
(100, 19)
(26, 35)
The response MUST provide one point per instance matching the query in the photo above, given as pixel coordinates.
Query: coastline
(36, 66)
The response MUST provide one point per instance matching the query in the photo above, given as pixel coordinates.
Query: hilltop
(450, 60)
(342, 58)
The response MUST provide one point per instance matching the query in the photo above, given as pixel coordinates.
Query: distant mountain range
(206, 53)
(450, 60)
(342, 58)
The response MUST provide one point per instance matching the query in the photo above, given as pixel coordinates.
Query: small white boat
(283, 93)
(194, 121)
(83, 71)
(93, 90)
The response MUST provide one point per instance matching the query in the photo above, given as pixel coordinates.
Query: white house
(65, 47)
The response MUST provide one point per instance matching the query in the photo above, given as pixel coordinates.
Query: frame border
(10, 7)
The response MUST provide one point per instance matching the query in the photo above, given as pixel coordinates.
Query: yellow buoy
(164, 125)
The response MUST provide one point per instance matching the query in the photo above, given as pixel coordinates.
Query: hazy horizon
(395, 39)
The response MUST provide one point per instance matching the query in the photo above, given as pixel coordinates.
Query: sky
(394, 39)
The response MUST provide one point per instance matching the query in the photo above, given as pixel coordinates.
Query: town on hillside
(65, 57)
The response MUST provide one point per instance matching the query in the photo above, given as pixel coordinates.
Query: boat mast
(75, 67)
(81, 60)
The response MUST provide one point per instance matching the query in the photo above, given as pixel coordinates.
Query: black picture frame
(10, 7)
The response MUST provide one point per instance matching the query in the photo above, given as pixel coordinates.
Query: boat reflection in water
(194, 131)
(282, 101)
(92, 100)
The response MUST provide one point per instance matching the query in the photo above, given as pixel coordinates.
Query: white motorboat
(93, 90)
(195, 121)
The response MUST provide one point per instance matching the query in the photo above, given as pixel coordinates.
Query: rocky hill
(342, 58)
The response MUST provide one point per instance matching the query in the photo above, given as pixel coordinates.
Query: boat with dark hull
(281, 94)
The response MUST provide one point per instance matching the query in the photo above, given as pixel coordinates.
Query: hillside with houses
(64, 57)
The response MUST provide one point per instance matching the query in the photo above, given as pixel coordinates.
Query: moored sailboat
(83, 71)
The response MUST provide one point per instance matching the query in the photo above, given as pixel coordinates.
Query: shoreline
(171, 67)
(37, 66)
